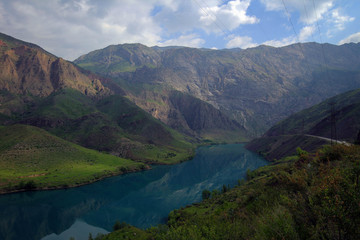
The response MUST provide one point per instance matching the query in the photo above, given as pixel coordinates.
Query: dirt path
(329, 140)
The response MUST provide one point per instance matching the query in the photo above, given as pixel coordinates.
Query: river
(142, 199)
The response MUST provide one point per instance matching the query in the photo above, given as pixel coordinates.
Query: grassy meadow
(31, 158)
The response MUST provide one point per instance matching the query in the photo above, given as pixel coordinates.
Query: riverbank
(31, 185)
(33, 159)
(301, 197)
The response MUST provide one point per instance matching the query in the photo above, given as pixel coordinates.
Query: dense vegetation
(110, 124)
(301, 197)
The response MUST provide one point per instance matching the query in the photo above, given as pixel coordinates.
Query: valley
(128, 108)
(59, 99)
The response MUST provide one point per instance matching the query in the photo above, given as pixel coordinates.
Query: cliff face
(256, 87)
(25, 69)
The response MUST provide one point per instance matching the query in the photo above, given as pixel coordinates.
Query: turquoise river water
(142, 199)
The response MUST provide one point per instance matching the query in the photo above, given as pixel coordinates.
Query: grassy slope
(303, 197)
(315, 119)
(162, 144)
(112, 124)
(32, 158)
(282, 139)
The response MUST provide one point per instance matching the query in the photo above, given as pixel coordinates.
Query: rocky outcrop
(26, 69)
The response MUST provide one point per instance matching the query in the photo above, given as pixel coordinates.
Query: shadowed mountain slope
(257, 87)
(337, 118)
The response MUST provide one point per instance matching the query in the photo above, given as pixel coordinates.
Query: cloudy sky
(70, 28)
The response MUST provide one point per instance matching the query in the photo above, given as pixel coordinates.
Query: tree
(206, 194)
(119, 225)
(225, 188)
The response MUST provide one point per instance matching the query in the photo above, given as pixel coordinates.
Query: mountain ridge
(42, 90)
(28, 69)
(257, 87)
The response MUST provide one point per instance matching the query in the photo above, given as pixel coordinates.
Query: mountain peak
(26, 68)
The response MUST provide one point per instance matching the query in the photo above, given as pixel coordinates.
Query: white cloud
(310, 11)
(280, 43)
(211, 16)
(70, 28)
(339, 20)
(306, 32)
(352, 38)
(241, 42)
(191, 40)
(226, 17)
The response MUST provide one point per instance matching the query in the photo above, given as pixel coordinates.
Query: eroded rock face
(257, 87)
(28, 69)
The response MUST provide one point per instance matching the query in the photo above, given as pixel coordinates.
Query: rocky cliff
(257, 87)
(27, 69)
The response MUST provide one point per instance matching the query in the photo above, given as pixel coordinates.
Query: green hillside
(112, 124)
(316, 120)
(303, 128)
(39, 89)
(301, 197)
(31, 158)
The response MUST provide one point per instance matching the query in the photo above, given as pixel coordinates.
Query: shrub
(118, 225)
(206, 194)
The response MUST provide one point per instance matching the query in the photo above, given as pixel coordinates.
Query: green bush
(206, 194)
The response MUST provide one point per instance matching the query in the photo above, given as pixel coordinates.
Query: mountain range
(256, 87)
(42, 90)
(154, 104)
(76, 106)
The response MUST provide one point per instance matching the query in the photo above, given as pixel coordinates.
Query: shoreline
(148, 166)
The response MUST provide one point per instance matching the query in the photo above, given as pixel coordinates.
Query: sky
(71, 28)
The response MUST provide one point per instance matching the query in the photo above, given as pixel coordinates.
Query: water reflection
(142, 199)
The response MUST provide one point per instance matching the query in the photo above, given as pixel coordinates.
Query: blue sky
(70, 28)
